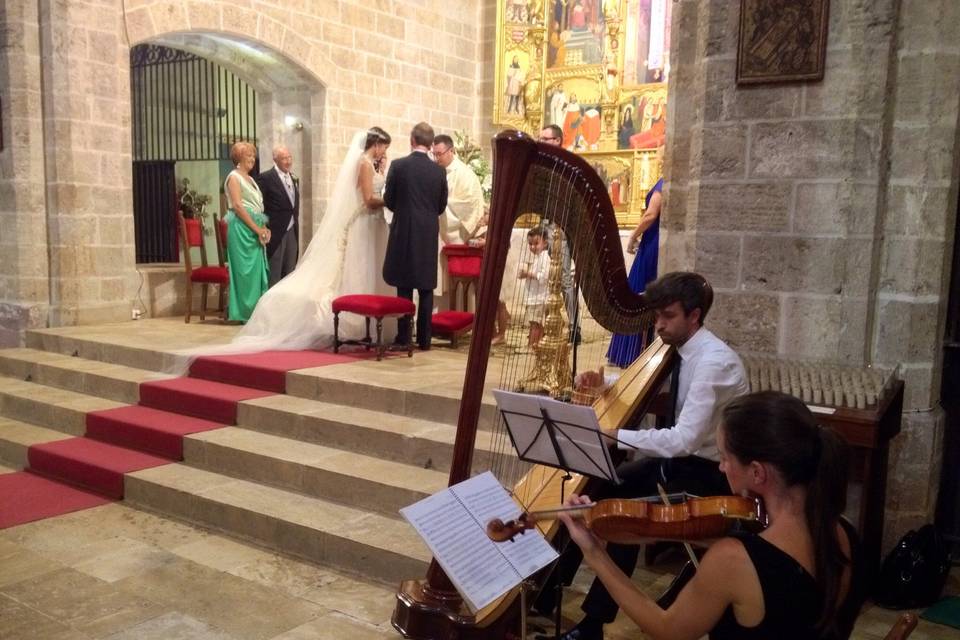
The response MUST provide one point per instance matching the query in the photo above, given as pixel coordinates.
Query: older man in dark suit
(281, 203)
(416, 192)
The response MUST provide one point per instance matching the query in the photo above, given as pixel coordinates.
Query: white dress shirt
(710, 374)
(287, 181)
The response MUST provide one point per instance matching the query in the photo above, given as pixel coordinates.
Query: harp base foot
(419, 615)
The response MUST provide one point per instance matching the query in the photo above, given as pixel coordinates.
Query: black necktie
(674, 392)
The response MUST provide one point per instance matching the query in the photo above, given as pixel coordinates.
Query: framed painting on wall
(782, 40)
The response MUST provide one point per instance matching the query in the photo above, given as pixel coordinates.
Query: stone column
(820, 211)
(86, 124)
(24, 293)
(919, 209)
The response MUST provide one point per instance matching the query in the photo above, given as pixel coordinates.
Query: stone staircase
(319, 473)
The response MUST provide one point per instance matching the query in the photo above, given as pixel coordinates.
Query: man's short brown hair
(690, 289)
(422, 134)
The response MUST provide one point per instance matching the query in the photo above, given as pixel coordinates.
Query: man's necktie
(674, 392)
(288, 185)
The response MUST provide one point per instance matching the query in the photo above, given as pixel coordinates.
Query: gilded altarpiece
(597, 69)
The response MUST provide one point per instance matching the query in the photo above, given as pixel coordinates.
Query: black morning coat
(276, 204)
(416, 192)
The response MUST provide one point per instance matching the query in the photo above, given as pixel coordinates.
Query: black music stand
(560, 435)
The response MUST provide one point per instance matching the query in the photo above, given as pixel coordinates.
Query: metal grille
(183, 108)
(154, 212)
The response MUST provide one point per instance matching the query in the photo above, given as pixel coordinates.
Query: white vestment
(464, 204)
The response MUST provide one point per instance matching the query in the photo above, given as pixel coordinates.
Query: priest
(460, 221)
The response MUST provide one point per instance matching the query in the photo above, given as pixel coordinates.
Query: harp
(560, 188)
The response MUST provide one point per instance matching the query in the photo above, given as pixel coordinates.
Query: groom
(416, 192)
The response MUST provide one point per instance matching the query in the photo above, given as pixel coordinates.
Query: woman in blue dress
(624, 349)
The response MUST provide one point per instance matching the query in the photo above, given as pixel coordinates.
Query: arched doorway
(219, 88)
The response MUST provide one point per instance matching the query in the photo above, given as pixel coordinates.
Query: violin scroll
(500, 531)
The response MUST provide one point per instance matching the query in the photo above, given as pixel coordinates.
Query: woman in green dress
(247, 235)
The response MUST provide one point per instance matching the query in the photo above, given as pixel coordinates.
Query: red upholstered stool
(451, 323)
(463, 267)
(370, 306)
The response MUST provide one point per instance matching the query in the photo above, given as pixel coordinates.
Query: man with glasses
(464, 194)
(551, 134)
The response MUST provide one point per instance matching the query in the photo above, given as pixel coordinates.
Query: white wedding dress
(345, 256)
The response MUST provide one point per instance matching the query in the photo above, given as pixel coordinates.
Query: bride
(344, 256)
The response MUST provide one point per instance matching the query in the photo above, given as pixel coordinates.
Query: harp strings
(557, 192)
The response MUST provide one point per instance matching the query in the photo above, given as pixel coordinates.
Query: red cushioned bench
(452, 324)
(371, 306)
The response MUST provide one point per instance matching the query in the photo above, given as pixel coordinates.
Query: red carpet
(91, 464)
(198, 398)
(267, 370)
(146, 429)
(126, 439)
(25, 497)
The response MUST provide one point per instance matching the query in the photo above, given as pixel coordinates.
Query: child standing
(536, 275)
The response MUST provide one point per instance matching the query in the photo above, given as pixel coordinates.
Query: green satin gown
(247, 258)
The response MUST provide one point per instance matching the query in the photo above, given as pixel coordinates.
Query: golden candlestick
(551, 372)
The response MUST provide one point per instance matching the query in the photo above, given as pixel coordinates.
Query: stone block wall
(24, 293)
(823, 212)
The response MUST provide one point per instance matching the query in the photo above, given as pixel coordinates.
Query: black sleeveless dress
(791, 596)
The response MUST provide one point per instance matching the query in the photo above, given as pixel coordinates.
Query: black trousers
(424, 315)
(692, 474)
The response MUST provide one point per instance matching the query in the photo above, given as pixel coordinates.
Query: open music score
(453, 524)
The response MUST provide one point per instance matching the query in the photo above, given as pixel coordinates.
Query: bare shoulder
(724, 558)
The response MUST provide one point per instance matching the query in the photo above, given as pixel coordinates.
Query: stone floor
(121, 573)
(118, 573)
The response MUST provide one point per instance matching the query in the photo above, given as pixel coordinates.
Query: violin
(635, 521)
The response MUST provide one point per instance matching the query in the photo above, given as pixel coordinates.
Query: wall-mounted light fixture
(293, 123)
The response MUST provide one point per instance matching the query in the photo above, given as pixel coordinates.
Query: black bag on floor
(914, 573)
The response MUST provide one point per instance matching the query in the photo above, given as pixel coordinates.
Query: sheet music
(453, 524)
(577, 433)
(486, 499)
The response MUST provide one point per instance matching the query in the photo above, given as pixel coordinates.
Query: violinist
(796, 579)
(682, 457)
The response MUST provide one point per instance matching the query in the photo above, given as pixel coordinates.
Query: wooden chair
(463, 268)
(903, 627)
(191, 235)
(220, 223)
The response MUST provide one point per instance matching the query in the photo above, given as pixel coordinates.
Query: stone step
(92, 377)
(415, 441)
(321, 531)
(124, 343)
(344, 477)
(427, 402)
(16, 437)
(58, 409)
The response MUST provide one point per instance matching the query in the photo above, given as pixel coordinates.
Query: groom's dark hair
(422, 134)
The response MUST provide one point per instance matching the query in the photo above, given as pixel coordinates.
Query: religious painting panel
(616, 171)
(595, 68)
(575, 33)
(781, 40)
(642, 117)
(574, 104)
(646, 56)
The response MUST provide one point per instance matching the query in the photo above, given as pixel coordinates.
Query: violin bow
(686, 545)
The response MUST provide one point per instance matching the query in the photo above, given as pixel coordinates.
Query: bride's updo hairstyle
(376, 135)
(778, 429)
